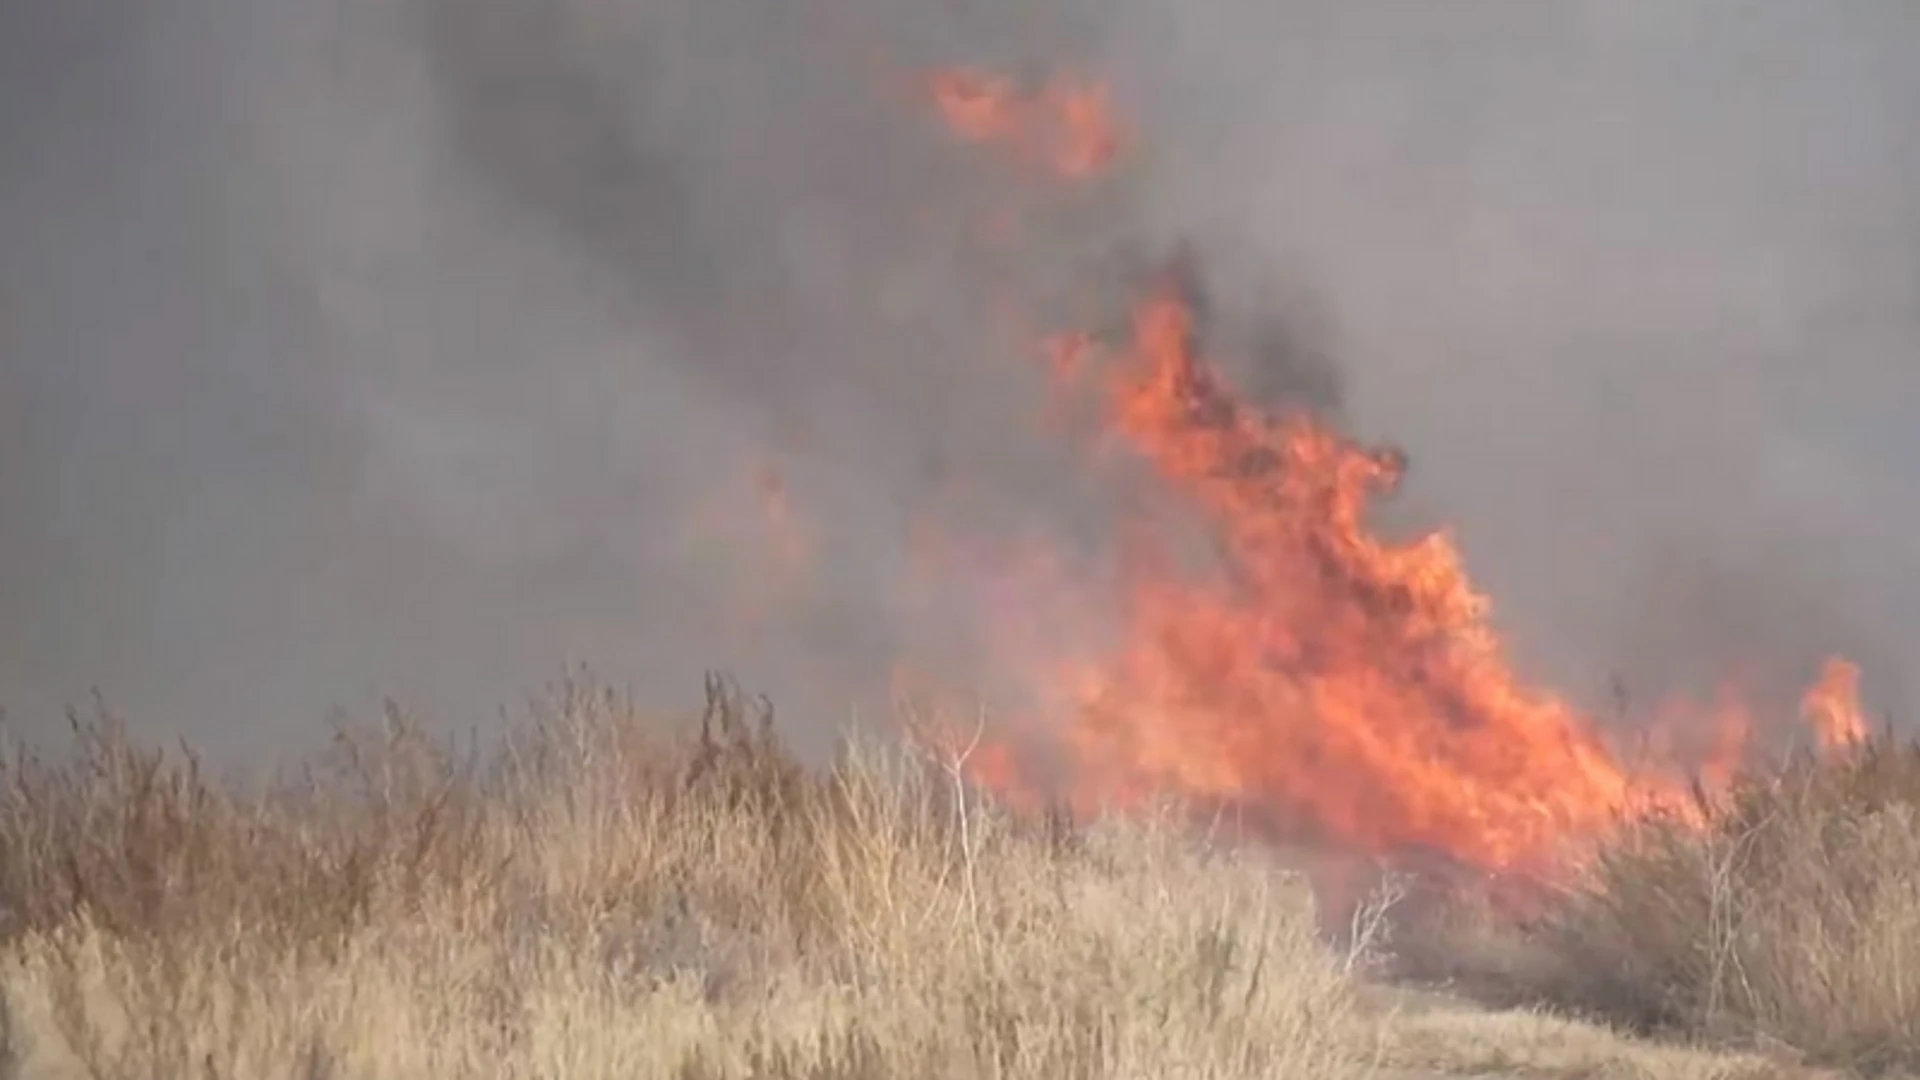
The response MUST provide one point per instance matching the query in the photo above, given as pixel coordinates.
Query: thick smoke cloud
(353, 348)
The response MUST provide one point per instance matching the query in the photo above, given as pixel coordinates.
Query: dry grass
(596, 902)
(600, 899)
(1451, 1038)
(1791, 923)
(1793, 919)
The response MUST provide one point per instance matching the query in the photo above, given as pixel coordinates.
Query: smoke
(353, 349)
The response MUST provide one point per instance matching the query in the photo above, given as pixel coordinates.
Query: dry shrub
(597, 899)
(142, 845)
(1793, 919)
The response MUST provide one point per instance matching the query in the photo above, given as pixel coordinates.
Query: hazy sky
(352, 348)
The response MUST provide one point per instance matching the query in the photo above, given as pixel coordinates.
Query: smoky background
(355, 349)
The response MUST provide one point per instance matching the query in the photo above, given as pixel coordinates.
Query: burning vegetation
(1339, 688)
(602, 899)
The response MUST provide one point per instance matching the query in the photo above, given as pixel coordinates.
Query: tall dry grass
(596, 900)
(1793, 918)
(1790, 923)
(600, 895)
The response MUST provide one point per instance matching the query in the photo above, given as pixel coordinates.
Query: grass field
(599, 897)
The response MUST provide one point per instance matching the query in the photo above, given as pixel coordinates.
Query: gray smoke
(355, 348)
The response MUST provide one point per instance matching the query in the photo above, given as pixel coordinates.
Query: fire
(1067, 125)
(1832, 706)
(1337, 683)
(1337, 686)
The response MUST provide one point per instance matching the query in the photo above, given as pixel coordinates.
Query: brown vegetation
(600, 898)
(594, 901)
(1793, 919)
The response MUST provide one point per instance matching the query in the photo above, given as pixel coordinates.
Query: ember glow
(1343, 688)
(1066, 126)
(1832, 706)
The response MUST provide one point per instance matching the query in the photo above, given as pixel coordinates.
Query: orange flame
(1344, 688)
(1333, 679)
(1832, 706)
(1068, 125)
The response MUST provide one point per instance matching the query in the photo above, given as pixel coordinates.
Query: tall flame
(1347, 689)
(1832, 706)
(1339, 682)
